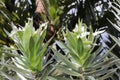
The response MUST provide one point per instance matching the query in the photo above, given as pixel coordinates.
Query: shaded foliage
(87, 10)
(93, 13)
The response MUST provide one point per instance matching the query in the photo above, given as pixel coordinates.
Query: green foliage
(28, 62)
(5, 18)
(29, 57)
(79, 61)
(54, 12)
(86, 10)
(30, 43)
(20, 10)
(115, 9)
(78, 43)
(16, 11)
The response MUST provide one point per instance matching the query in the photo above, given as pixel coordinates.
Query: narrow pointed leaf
(71, 51)
(62, 47)
(80, 48)
(115, 39)
(67, 71)
(40, 39)
(64, 59)
(44, 75)
(57, 78)
(6, 75)
(90, 37)
(115, 26)
(21, 71)
(32, 50)
(40, 54)
(71, 39)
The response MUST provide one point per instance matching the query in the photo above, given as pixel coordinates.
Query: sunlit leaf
(65, 59)
(67, 70)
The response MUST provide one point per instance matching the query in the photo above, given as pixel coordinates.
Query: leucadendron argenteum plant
(30, 43)
(80, 62)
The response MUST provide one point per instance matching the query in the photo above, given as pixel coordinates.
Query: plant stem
(82, 75)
